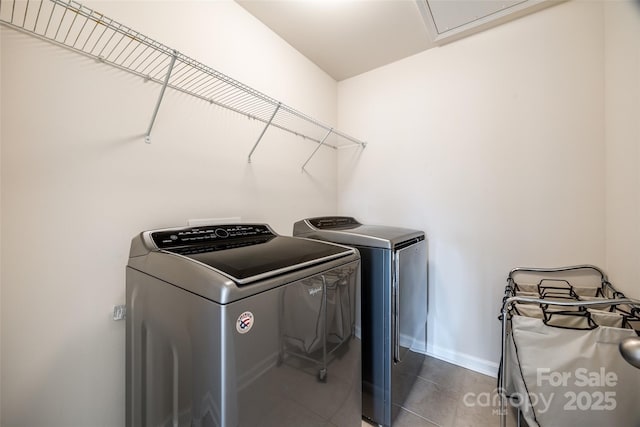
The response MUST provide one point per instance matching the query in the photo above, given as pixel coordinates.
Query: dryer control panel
(330, 222)
(189, 236)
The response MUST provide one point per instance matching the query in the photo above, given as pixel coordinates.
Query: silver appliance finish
(191, 357)
(630, 350)
(393, 306)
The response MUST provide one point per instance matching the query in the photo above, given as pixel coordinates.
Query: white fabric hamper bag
(563, 377)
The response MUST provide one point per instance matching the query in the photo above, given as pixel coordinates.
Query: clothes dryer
(393, 306)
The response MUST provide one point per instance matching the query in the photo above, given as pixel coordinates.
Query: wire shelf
(70, 24)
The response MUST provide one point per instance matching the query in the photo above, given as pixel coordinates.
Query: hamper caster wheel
(322, 375)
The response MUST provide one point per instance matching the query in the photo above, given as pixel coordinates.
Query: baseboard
(473, 363)
(477, 364)
(482, 366)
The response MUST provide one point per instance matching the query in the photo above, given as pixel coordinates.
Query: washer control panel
(188, 236)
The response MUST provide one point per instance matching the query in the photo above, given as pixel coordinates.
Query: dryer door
(409, 299)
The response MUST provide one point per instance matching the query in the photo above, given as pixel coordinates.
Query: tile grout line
(420, 416)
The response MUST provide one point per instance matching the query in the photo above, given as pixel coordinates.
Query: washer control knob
(222, 233)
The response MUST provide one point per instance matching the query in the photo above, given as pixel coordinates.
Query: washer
(234, 325)
(394, 307)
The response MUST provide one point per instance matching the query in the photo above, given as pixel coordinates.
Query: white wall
(78, 182)
(622, 103)
(0, 229)
(494, 146)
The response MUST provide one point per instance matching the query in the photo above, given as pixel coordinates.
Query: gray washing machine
(393, 310)
(234, 325)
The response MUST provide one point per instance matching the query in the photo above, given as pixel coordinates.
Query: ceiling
(346, 37)
(349, 37)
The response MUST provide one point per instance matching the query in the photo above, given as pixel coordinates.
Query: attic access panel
(449, 20)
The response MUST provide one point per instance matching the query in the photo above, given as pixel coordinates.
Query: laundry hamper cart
(560, 362)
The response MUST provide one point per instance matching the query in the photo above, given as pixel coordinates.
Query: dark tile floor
(447, 395)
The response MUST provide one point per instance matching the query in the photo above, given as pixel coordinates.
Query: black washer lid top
(247, 252)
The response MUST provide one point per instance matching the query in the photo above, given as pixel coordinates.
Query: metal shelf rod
(147, 137)
(317, 148)
(263, 131)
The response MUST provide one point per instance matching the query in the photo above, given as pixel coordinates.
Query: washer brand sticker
(244, 322)
(312, 292)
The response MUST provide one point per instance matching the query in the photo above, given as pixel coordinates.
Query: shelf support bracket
(147, 136)
(317, 148)
(263, 131)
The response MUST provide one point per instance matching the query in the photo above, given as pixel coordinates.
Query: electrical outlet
(119, 312)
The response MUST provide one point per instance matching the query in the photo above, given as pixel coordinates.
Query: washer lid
(243, 252)
(245, 261)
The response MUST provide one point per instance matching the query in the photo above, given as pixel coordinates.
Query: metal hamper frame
(509, 299)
